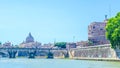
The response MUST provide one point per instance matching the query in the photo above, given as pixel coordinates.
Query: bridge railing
(32, 48)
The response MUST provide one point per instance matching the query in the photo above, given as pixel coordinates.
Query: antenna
(105, 17)
(54, 41)
(73, 39)
(110, 10)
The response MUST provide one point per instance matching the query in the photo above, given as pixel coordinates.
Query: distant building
(70, 45)
(96, 33)
(7, 45)
(82, 44)
(49, 45)
(30, 43)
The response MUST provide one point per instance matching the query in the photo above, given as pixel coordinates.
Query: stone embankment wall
(94, 52)
(59, 53)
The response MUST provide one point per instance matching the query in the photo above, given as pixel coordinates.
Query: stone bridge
(33, 52)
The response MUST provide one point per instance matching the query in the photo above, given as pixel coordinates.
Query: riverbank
(55, 63)
(75, 58)
(98, 59)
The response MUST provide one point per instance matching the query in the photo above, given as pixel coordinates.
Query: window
(93, 27)
(101, 29)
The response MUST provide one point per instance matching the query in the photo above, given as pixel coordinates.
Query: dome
(29, 38)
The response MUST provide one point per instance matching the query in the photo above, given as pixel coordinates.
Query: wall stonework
(100, 52)
(118, 53)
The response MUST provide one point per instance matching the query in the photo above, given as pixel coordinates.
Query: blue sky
(48, 20)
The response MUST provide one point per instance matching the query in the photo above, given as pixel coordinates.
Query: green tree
(61, 44)
(0, 44)
(16, 46)
(113, 31)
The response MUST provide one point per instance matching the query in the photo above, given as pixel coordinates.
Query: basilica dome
(29, 38)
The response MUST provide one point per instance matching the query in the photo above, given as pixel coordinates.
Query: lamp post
(73, 39)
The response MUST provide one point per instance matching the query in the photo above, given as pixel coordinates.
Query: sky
(52, 20)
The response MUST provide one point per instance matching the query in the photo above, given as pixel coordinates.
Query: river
(56, 63)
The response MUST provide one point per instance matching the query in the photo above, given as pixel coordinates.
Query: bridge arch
(3, 54)
(42, 53)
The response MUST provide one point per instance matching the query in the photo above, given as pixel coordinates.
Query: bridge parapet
(32, 52)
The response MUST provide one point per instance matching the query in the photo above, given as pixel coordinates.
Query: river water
(56, 63)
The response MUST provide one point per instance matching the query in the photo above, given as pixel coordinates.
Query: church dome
(29, 38)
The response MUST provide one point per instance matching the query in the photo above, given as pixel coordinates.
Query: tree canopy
(61, 44)
(0, 44)
(113, 31)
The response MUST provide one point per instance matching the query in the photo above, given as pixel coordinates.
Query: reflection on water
(56, 63)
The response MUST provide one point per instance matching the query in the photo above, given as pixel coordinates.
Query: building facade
(48, 45)
(70, 45)
(7, 45)
(96, 33)
(82, 44)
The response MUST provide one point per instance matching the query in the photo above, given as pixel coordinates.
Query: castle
(96, 33)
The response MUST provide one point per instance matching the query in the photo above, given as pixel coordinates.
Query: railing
(32, 49)
(96, 46)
